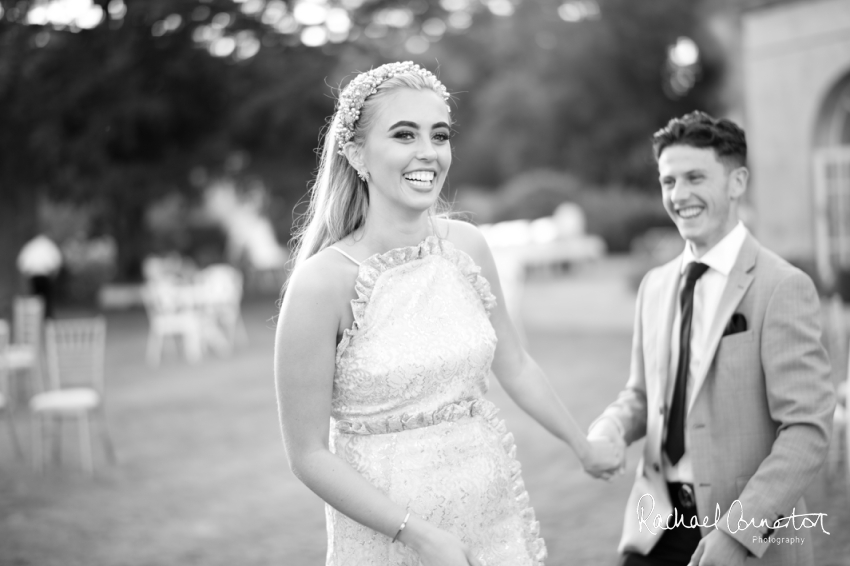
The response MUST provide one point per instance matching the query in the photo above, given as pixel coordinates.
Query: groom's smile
(697, 194)
(689, 212)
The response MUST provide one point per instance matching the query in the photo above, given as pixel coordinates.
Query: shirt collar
(724, 253)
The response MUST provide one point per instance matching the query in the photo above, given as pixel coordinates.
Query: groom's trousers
(676, 545)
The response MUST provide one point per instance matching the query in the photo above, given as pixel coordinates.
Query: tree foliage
(583, 97)
(121, 115)
(115, 117)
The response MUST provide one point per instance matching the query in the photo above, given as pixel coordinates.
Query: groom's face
(700, 194)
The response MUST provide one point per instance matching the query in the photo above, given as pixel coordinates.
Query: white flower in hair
(366, 84)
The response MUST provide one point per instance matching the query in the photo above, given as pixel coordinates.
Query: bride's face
(406, 150)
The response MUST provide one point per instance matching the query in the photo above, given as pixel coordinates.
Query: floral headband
(365, 84)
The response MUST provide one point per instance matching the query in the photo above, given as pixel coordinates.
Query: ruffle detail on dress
(373, 267)
(535, 544)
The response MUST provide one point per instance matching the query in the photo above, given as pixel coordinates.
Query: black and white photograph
(424, 282)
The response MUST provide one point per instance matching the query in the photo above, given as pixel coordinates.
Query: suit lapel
(740, 279)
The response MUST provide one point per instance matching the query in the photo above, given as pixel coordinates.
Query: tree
(585, 96)
(120, 115)
(148, 98)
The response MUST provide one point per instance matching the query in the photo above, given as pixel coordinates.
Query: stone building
(795, 84)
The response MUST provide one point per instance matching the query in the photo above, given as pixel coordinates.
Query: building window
(836, 172)
(832, 184)
(840, 122)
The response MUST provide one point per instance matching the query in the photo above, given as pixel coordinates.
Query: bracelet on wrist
(401, 528)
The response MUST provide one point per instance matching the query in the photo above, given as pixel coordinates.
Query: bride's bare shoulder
(464, 235)
(327, 274)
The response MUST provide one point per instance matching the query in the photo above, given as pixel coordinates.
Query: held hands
(605, 457)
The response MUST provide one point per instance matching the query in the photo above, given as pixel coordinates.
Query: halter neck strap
(336, 249)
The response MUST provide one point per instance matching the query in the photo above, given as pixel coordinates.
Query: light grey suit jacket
(758, 425)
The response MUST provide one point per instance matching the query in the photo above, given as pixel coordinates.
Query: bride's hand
(450, 551)
(437, 547)
(604, 458)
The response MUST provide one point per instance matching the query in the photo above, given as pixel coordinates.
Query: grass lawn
(203, 479)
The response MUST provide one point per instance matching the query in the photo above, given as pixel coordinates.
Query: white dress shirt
(709, 289)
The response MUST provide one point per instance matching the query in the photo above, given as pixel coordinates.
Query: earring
(364, 176)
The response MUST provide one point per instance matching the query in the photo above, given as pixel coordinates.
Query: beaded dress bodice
(421, 339)
(408, 410)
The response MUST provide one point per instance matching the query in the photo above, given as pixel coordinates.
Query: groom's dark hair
(698, 129)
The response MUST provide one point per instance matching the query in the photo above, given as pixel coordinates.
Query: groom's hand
(718, 549)
(607, 457)
(605, 430)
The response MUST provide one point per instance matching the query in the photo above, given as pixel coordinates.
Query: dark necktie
(675, 444)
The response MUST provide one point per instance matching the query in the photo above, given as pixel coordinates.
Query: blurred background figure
(252, 242)
(39, 261)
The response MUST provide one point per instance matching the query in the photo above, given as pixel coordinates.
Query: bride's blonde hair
(339, 199)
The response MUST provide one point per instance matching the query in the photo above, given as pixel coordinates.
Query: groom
(729, 382)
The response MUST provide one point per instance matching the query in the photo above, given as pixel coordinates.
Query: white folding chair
(75, 359)
(218, 292)
(5, 401)
(172, 313)
(25, 353)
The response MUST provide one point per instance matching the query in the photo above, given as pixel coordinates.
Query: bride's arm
(305, 353)
(517, 372)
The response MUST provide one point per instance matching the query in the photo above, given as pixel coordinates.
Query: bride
(390, 325)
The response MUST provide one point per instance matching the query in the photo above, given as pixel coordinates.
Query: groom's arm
(625, 418)
(801, 398)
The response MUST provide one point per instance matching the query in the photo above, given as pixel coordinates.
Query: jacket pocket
(738, 337)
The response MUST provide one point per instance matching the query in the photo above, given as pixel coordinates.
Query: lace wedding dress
(408, 411)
